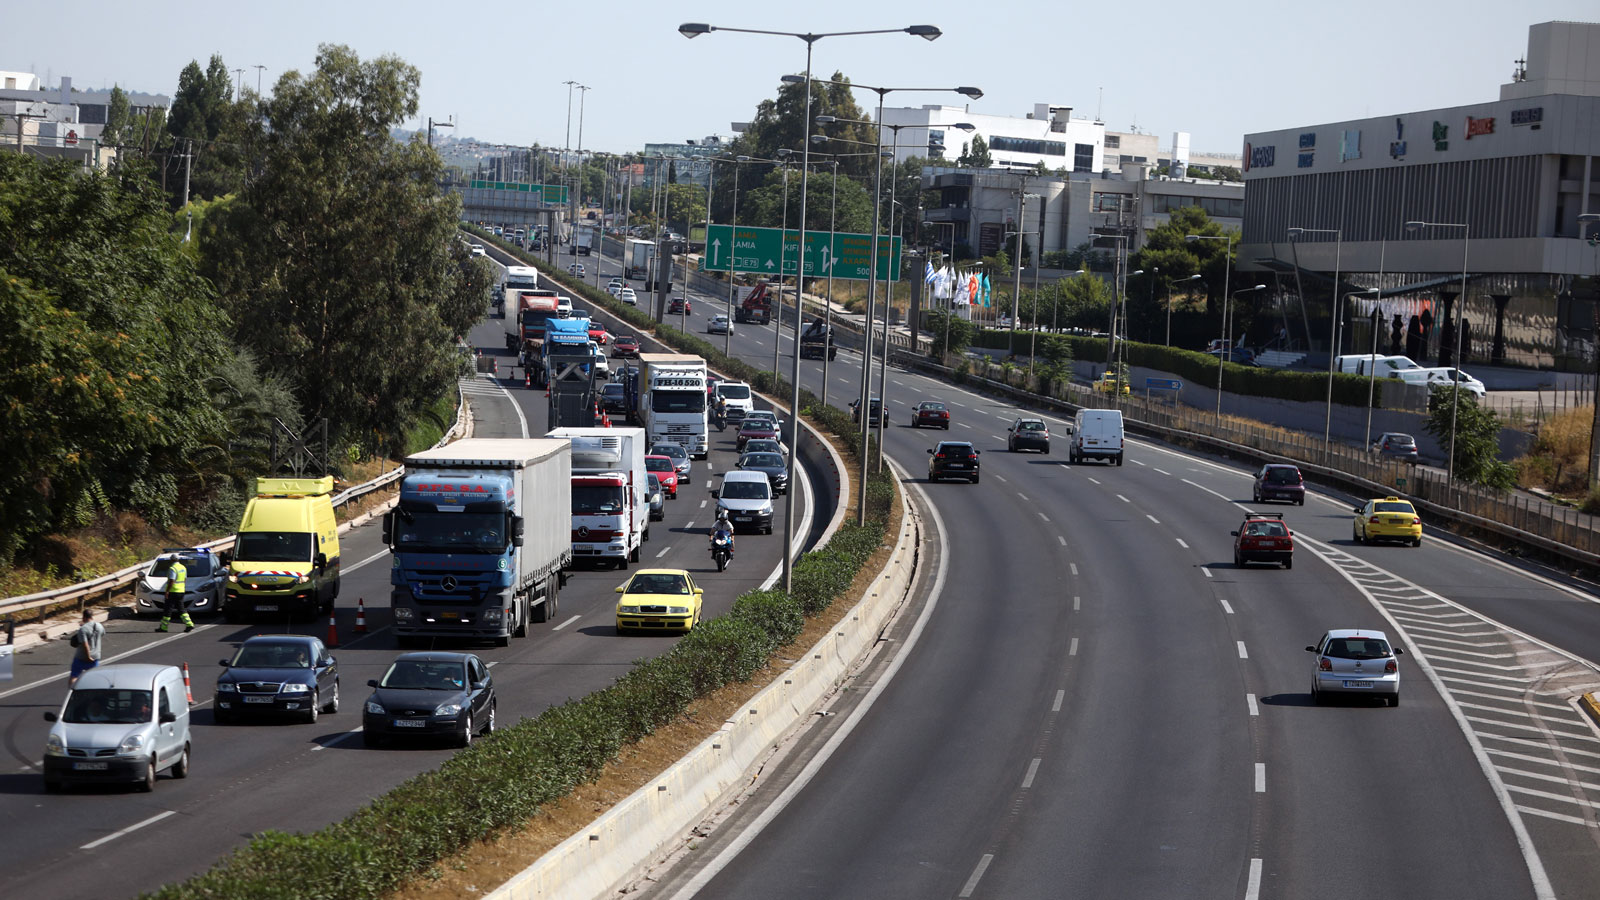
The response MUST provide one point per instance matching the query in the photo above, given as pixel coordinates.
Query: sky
(498, 70)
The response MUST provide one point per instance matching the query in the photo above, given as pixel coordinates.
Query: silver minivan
(122, 723)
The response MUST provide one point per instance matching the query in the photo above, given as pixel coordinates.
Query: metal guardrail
(107, 586)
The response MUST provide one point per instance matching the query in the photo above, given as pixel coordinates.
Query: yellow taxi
(1387, 519)
(658, 600)
(1107, 384)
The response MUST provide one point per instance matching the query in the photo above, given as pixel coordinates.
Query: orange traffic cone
(188, 690)
(333, 628)
(361, 615)
(527, 378)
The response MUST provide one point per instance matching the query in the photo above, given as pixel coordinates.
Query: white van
(1097, 434)
(122, 723)
(1443, 375)
(1364, 363)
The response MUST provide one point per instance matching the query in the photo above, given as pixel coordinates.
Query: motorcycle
(721, 551)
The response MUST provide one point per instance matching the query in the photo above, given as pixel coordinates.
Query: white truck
(610, 493)
(639, 259)
(475, 553)
(583, 239)
(673, 401)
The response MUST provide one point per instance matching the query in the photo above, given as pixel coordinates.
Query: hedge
(1201, 368)
(504, 779)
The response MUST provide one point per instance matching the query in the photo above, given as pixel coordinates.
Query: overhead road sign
(549, 193)
(773, 251)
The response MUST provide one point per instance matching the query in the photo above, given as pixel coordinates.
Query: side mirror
(1399, 651)
(168, 717)
(516, 531)
(715, 493)
(699, 591)
(619, 588)
(930, 451)
(50, 716)
(223, 663)
(329, 661)
(388, 528)
(321, 561)
(1358, 510)
(1311, 649)
(373, 682)
(226, 557)
(479, 685)
(1234, 533)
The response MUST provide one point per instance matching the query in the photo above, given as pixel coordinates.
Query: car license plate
(89, 766)
(258, 699)
(1358, 684)
(267, 607)
(449, 615)
(409, 723)
(958, 465)
(741, 518)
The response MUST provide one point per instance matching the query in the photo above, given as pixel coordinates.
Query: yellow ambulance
(285, 559)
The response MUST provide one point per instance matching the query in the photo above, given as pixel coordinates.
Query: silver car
(1356, 661)
(678, 455)
(204, 586)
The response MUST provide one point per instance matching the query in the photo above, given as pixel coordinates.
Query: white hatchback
(1356, 661)
(629, 297)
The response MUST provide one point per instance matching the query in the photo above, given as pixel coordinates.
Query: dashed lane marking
(1181, 543)
(566, 623)
(129, 830)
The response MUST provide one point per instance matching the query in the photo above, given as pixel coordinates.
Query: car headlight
(232, 578)
(133, 743)
(448, 709)
(375, 708)
(295, 689)
(226, 687)
(402, 613)
(491, 616)
(54, 746)
(766, 509)
(632, 610)
(678, 610)
(302, 578)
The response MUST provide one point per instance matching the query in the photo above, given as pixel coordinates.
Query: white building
(1518, 172)
(60, 121)
(1048, 135)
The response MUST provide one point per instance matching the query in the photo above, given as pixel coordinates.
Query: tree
(1477, 436)
(118, 115)
(338, 262)
(978, 157)
(686, 206)
(941, 324)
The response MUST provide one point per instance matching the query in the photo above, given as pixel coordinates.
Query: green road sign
(758, 250)
(551, 193)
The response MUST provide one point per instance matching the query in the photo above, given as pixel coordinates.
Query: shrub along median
(499, 783)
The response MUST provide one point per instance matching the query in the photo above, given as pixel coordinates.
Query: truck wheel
(502, 640)
(634, 556)
(522, 621)
(622, 563)
(541, 613)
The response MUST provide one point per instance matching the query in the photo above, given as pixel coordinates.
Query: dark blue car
(430, 694)
(286, 674)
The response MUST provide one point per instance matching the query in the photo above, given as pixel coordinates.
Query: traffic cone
(188, 691)
(527, 378)
(361, 615)
(333, 629)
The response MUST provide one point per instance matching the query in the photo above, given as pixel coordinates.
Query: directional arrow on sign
(827, 258)
(716, 251)
(769, 264)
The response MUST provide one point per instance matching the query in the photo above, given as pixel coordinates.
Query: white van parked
(1444, 375)
(1365, 363)
(122, 723)
(1097, 434)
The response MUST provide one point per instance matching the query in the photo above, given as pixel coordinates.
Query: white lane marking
(1161, 470)
(1092, 479)
(494, 663)
(972, 883)
(1075, 603)
(917, 389)
(1062, 540)
(1252, 888)
(1001, 477)
(1243, 653)
(1225, 607)
(129, 830)
(1254, 709)
(1261, 778)
(1023, 496)
(372, 558)
(754, 828)
(1181, 543)
(1044, 517)
(1033, 769)
(340, 739)
(1137, 463)
(1152, 518)
(664, 552)
(1210, 491)
(1074, 568)
(1206, 570)
(566, 623)
(964, 425)
(1123, 499)
(702, 504)
(690, 524)
(1072, 649)
(1061, 696)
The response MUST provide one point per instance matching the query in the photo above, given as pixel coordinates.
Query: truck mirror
(516, 531)
(388, 528)
(715, 494)
(321, 561)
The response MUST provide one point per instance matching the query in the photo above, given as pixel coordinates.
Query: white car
(1444, 375)
(477, 250)
(719, 324)
(564, 306)
(576, 269)
(614, 287)
(602, 365)
(629, 297)
(1356, 661)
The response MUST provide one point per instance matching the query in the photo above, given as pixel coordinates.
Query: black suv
(953, 459)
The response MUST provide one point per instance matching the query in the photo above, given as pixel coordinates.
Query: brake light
(1373, 520)
(938, 456)
(1416, 521)
(1391, 667)
(1324, 665)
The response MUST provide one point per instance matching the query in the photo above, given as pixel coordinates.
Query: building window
(1113, 142)
(92, 114)
(1028, 146)
(1082, 157)
(1108, 203)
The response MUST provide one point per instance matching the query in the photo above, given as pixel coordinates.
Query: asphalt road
(271, 775)
(1100, 704)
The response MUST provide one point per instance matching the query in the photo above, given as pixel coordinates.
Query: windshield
(678, 401)
(462, 531)
(272, 655)
(425, 675)
(1283, 476)
(1032, 426)
(1401, 507)
(762, 460)
(192, 566)
(597, 500)
(1356, 648)
(273, 546)
(1266, 529)
(109, 707)
(612, 391)
(658, 583)
(1400, 440)
(675, 451)
(735, 392)
(936, 407)
(744, 490)
(657, 464)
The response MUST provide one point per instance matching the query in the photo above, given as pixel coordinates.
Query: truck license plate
(89, 766)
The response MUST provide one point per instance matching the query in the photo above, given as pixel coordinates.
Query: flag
(985, 290)
(975, 290)
(929, 275)
(963, 297)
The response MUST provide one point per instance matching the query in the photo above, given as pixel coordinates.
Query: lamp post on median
(432, 124)
(1461, 317)
(1333, 339)
(693, 30)
(1584, 221)
(1227, 278)
(1371, 369)
(948, 311)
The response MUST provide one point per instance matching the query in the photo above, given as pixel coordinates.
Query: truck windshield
(597, 500)
(469, 532)
(735, 392)
(273, 546)
(678, 401)
(744, 490)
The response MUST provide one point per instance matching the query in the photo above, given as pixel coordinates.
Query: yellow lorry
(285, 558)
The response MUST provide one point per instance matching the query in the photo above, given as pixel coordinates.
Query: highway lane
(1138, 803)
(251, 778)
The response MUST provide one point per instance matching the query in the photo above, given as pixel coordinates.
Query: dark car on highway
(1028, 434)
(614, 398)
(287, 674)
(430, 694)
(1395, 445)
(1279, 481)
(953, 459)
(657, 498)
(752, 428)
(931, 413)
(770, 463)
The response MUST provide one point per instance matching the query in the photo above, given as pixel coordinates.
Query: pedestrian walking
(177, 587)
(87, 641)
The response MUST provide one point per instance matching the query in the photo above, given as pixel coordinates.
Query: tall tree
(976, 155)
(338, 261)
(118, 115)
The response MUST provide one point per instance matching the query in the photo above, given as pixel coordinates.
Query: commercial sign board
(1478, 127)
(1441, 136)
(1530, 116)
(1397, 147)
(1308, 140)
(1350, 145)
(1259, 157)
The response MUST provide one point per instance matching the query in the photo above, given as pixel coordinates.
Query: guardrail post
(11, 629)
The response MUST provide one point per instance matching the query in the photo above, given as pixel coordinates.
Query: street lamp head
(1135, 272)
(793, 79)
(1414, 226)
(1193, 278)
(1296, 232)
(965, 126)
(826, 120)
(926, 32)
(1589, 217)
(693, 30)
(742, 158)
(886, 154)
(1081, 272)
(784, 151)
(1190, 238)
(819, 139)
(970, 93)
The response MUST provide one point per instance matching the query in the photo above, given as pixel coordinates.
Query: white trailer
(673, 401)
(610, 497)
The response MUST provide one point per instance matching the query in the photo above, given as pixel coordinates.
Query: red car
(598, 333)
(932, 414)
(665, 472)
(1264, 537)
(680, 306)
(624, 345)
(755, 428)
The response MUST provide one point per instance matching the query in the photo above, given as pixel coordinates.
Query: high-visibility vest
(177, 578)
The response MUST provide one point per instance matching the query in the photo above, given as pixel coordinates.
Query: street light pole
(1227, 278)
(1461, 317)
(1333, 339)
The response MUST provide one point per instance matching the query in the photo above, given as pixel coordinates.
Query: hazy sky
(1215, 70)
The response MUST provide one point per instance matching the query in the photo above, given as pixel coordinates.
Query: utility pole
(258, 79)
(238, 85)
(188, 157)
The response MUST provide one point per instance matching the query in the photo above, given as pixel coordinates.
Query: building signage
(1350, 145)
(1531, 116)
(1397, 147)
(1307, 160)
(1259, 157)
(1478, 127)
(1441, 136)
(1308, 140)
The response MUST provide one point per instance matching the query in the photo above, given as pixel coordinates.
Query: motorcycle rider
(722, 529)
